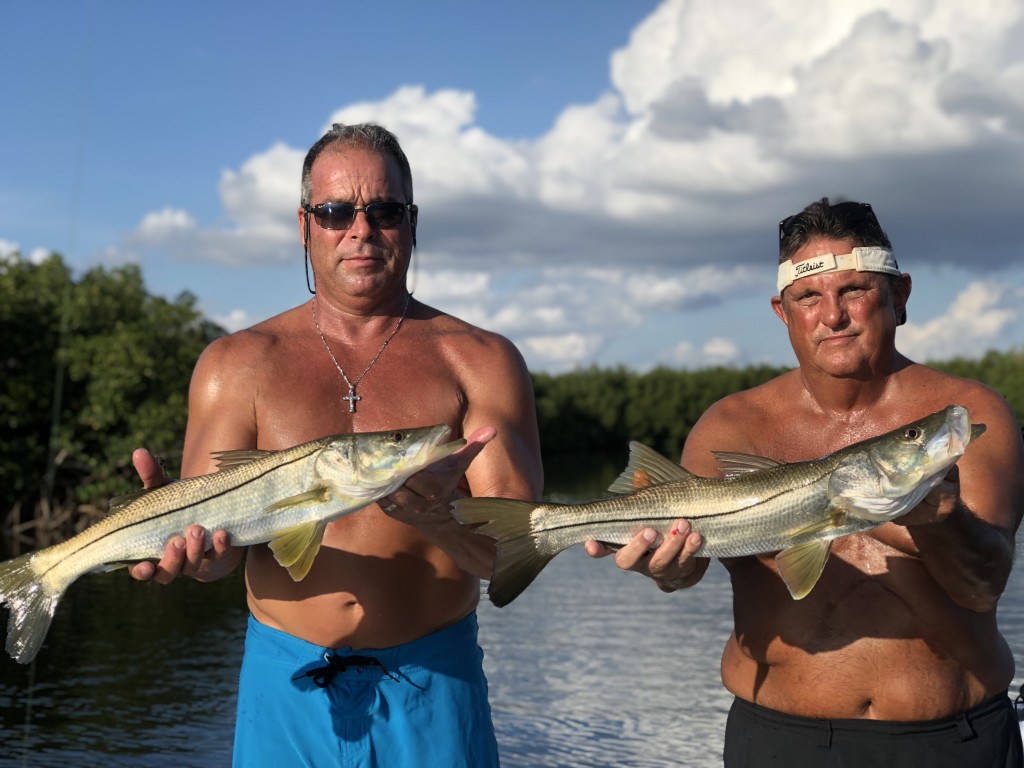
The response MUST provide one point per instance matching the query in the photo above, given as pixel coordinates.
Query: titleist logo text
(808, 266)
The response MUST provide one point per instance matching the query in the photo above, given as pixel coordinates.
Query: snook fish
(285, 497)
(760, 506)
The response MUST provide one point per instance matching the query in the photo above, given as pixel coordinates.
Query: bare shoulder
(992, 469)
(741, 422)
(468, 349)
(939, 389)
(226, 385)
(249, 350)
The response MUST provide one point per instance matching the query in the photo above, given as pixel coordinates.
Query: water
(589, 667)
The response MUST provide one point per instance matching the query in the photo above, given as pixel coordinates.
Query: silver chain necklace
(352, 396)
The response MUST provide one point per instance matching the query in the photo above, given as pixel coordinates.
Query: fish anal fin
(800, 566)
(296, 548)
(648, 466)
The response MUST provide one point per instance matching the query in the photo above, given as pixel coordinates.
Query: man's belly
(360, 600)
(883, 643)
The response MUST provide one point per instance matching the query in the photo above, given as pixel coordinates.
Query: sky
(599, 181)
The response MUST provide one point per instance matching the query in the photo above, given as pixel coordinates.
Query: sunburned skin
(902, 623)
(380, 579)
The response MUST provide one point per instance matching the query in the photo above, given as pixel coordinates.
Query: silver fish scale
(737, 516)
(225, 500)
(258, 497)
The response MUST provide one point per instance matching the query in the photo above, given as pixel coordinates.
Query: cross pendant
(351, 397)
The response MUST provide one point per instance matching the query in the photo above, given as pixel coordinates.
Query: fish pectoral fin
(647, 467)
(296, 548)
(731, 463)
(317, 495)
(801, 565)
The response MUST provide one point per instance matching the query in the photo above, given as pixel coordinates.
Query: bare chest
(307, 396)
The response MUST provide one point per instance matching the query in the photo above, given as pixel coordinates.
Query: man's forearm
(968, 557)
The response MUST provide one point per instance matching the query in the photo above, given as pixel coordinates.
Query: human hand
(670, 563)
(182, 554)
(150, 469)
(426, 497)
(938, 505)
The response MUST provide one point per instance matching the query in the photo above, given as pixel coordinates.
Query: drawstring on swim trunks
(324, 676)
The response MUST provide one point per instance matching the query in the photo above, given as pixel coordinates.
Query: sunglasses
(849, 214)
(383, 215)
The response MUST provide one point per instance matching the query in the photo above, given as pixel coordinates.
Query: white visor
(872, 259)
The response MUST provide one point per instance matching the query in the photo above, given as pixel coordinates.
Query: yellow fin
(517, 562)
(313, 496)
(801, 565)
(296, 548)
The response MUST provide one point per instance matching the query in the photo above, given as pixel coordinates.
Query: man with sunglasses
(894, 658)
(371, 659)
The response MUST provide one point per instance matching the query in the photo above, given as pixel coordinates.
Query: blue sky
(598, 181)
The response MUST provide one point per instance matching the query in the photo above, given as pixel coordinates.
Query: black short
(986, 736)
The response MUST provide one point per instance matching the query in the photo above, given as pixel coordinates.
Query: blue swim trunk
(420, 704)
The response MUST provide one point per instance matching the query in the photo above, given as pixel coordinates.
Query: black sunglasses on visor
(384, 215)
(849, 213)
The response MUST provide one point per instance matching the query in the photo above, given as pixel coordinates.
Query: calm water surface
(589, 667)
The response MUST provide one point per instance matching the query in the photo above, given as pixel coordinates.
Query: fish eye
(398, 436)
(912, 433)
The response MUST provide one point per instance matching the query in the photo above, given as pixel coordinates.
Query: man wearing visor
(894, 658)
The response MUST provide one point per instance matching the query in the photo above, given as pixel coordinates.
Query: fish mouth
(435, 450)
(959, 432)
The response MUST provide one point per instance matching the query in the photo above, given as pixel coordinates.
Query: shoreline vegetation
(95, 367)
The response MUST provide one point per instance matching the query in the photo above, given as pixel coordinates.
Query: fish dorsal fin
(296, 548)
(642, 479)
(801, 565)
(731, 464)
(229, 459)
(647, 467)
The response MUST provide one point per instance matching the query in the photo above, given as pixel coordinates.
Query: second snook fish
(760, 506)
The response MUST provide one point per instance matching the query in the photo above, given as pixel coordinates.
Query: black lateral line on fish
(570, 525)
(147, 520)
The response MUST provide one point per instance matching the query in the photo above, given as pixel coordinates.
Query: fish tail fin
(31, 605)
(517, 561)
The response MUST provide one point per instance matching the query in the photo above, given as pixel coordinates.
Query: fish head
(364, 463)
(887, 476)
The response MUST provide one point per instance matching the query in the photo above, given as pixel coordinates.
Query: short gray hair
(369, 136)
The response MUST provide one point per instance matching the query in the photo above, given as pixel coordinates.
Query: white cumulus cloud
(660, 195)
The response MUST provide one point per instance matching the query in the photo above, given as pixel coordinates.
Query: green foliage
(118, 362)
(600, 410)
(1003, 371)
